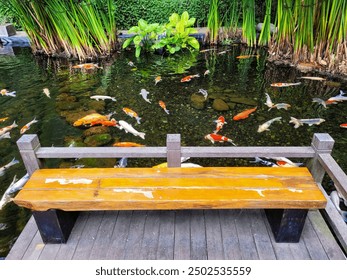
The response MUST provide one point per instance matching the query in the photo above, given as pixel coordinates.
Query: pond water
(241, 83)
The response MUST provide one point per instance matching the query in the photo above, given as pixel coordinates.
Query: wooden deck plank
(67, 251)
(182, 235)
(244, 233)
(116, 250)
(35, 248)
(214, 242)
(166, 235)
(49, 251)
(231, 246)
(150, 241)
(103, 237)
(135, 237)
(261, 236)
(24, 240)
(198, 250)
(85, 244)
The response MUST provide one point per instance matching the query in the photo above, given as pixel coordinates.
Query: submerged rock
(197, 101)
(243, 100)
(220, 105)
(98, 140)
(96, 130)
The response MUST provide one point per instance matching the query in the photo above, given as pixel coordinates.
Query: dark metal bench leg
(286, 224)
(55, 225)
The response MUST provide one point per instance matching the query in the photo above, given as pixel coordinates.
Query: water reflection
(240, 83)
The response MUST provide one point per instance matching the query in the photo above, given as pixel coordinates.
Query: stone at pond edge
(98, 140)
(220, 105)
(197, 101)
(96, 130)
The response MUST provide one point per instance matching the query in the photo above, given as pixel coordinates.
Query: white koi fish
(7, 166)
(46, 92)
(7, 128)
(27, 126)
(266, 125)
(284, 106)
(264, 162)
(310, 122)
(337, 201)
(320, 101)
(269, 102)
(313, 78)
(5, 92)
(102, 97)
(5, 135)
(128, 128)
(144, 93)
(203, 92)
(206, 72)
(338, 98)
(13, 187)
(189, 164)
(122, 163)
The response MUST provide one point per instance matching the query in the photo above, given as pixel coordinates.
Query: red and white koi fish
(338, 98)
(188, 78)
(220, 123)
(132, 114)
(27, 126)
(5, 92)
(162, 105)
(86, 66)
(266, 125)
(7, 128)
(343, 125)
(285, 162)
(285, 84)
(157, 80)
(218, 138)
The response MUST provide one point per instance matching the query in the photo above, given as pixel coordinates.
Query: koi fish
(3, 119)
(264, 162)
(218, 138)
(162, 105)
(46, 92)
(206, 72)
(285, 162)
(203, 92)
(5, 135)
(157, 80)
(7, 166)
(284, 106)
(91, 118)
(128, 128)
(27, 126)
(269, 102)
(102, 97)
(313, 78)
(220, 123)
(285, 84)
(188, 78)
(7, 128)
(111, 122)
(310, 122)
(244, 114)
(86, 66)
(131, 64)
(132, 114)
(343, 125)
(320, 101)
(164, 164)
(127, 144)
(338, 98)
(5, 92)
(13, 187)
(266, 125)
(189, 164)
(207, 50)
(337, 201)
(122, 163)
(144, 93)
(247, 56)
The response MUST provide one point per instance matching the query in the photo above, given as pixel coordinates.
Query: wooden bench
(56, 195)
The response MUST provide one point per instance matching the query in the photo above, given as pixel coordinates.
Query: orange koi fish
(157, 80)
(188, 78)
(111, 122)
(220, 123)
(3, 119)
(27, 126)
(162, 105)
(218, 138)
(127, 144)
(247, 56)
(285, 84)
(132, 114)
(244, 114)
(86, 66)
(343, 125)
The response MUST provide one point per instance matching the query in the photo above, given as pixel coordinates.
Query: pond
(241, 83)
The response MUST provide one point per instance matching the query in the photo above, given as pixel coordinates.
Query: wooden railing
(319, 152)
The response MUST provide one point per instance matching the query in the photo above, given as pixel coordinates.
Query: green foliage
(248, 24)
(214, 22)
(265, 34)
(177, 34)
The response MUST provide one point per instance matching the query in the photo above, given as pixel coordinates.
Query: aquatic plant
(265, 34)
(248, 23)
(213, 22)
(80, 29)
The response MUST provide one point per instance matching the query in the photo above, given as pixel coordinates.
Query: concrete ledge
(7, 30)
(21, 39)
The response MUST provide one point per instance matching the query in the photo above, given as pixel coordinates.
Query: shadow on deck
(186, 234)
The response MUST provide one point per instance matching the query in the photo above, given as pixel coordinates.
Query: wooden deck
(195, 235)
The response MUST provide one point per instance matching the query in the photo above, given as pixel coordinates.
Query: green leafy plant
(213, 22)
(177, 34)
(145, 36)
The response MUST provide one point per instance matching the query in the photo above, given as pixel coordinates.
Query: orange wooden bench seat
(289, 192)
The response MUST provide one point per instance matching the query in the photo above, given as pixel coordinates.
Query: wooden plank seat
(56, 195)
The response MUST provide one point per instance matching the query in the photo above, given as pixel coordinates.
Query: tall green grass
(213, 22)
(265, 34)
(79, 29)
(248, 24)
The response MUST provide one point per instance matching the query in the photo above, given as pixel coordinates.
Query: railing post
(28, 144)
(322, 143)
(173, 145)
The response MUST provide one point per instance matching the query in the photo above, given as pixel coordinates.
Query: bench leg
(55, 225)
(286, 224)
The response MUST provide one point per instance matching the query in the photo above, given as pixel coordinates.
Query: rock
(243, 100)
(64, 106)
(66, 97)
(96, 105)
(259, 27)
(197, 101)
(220, 105)
(96, 130)
(231, 105)
(98, 140)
